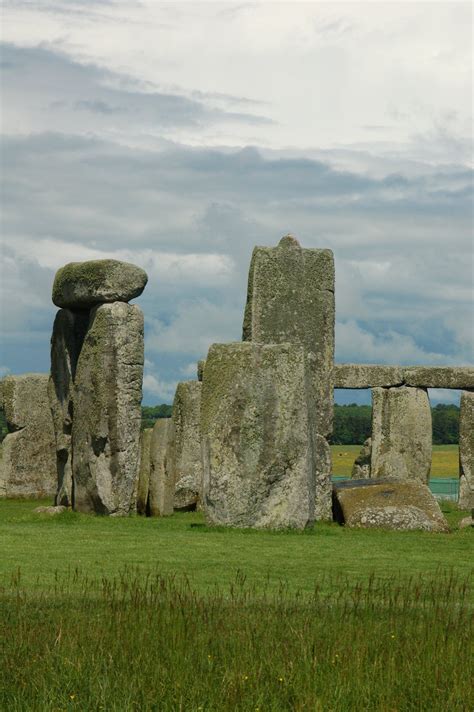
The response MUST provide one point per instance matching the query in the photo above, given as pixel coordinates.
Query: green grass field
(445, 461)
(168, 614)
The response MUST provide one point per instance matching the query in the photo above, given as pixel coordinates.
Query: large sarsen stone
(67, 338)
(28, 463)
(81, 285)
(161, 489)
(184, 460)
(107, 414)
(401, 434)
(257, 446)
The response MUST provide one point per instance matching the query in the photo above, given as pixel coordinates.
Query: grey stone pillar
(184, 461)
(258, 457)
(291, 300)
(161, 491)
(466, 451)
(401, 434)
(28, 463)
(107, 411)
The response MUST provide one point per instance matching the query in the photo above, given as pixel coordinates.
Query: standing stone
(161, 490)
(290, 299)
(68, 335)
(184, 446)
(258, 458)
(144, 472)
(401, 434)
(107, 414)
(28, 465)
(361, 467)
(466, 451)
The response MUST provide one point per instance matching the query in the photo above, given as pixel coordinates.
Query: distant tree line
(352, 423)
(151, 413)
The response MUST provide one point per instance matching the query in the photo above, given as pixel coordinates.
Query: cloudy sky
(179, 135)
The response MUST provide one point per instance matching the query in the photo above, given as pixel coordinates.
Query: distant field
(445, 460)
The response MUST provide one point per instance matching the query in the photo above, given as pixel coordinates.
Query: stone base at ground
(257, 451)
(28, 463)
(401, 434)
(387, 504)
(466, 451)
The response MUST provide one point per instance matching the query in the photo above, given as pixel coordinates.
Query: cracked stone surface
(401, 434)
(184, 460)
(466, 451)
(107, 411)
(257, 444)
(387, 504)
(28, 463)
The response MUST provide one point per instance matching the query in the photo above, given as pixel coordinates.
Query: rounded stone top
(81, 285)
(289, 241)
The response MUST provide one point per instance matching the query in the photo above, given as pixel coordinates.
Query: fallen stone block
(401, 434)
(466, 451)
(82, 285)
(28, 463)
(107, 413)
(387, 504)
(257, 444)
(52, 511)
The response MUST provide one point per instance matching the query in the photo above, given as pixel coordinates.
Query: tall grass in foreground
(152, 643)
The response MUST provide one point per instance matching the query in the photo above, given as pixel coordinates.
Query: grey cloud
(39, 78)
(402, 242)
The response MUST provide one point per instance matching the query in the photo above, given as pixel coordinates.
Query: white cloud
(163, 391)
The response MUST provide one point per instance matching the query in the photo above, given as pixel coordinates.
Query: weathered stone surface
(466, 451)
(460, 377)
(387, 504)
(144, 472)
(28, 464)
(257, 447)
(401, 434)
(357, 375)
(466, 523)
(107, 415)
(67, 338)
(82, 285)
(184, 446)
(161, 482)
(200, 369)
(361, 467)
(290, 299)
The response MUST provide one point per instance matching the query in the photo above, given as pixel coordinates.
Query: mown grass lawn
(445, 462)
(168, 614)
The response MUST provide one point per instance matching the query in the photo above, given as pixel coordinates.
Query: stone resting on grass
(387, 504)
(96, 384)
